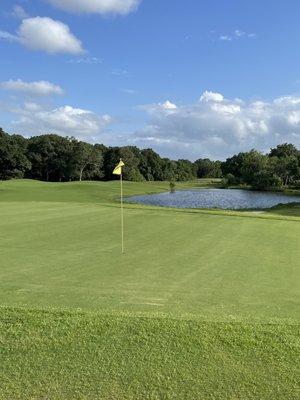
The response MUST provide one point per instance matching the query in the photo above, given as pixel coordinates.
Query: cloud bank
(103, 7)
(217, 127)
(35, 119)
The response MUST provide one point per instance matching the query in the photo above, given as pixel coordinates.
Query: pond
(227, 199)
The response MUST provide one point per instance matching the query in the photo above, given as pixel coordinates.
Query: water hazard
(227, 199)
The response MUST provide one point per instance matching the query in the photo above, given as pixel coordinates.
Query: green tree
(151, 165)
(172, 187)
(284, 150)
(287, 168)
(208, 169)
(88, 160)
(233, 166)
(169, 170)
(286, 161)
(13, 160)
(185, 170)
(51, 157)
(130, 157)
(258, 171)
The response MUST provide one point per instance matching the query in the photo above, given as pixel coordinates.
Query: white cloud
(8, 36)
(167, 105)
(28, 106)
(19, 12)
(34, 119)
(85, 60)
(237, 34)
(214, 126)
(103, 7)
(226, 38)
(211, 96)
(217, 127)
(45, 34)
(40, 88)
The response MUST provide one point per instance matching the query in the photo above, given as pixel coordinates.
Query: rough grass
(203, 305)
(63, 355)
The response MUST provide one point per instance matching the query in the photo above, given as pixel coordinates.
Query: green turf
(60, 355)
(286, 210)
(203, 305)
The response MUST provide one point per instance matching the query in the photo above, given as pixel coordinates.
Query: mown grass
(84, 192)
(203, 305)
(71, 355)
(286, 210)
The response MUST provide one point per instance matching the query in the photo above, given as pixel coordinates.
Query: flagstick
(122, 213)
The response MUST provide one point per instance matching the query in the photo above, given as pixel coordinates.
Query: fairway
(216, 291)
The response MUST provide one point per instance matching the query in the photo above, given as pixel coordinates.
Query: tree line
(60, 159)
(279, 168)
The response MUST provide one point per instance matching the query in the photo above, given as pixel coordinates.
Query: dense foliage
(56, 158)
(281, 167)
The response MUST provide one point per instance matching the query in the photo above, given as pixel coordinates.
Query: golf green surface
(202, 305)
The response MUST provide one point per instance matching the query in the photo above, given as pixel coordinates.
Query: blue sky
(189, 78)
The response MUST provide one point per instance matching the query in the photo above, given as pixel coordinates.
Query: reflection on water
(229, 199)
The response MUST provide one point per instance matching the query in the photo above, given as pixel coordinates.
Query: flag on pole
(118, 171)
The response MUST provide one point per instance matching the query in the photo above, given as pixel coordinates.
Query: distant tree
(265, 179)
(151, 165)
(94, 171)
(130, 156)
(87, 158)
(229, 180)
(287, 168)
(172, 187)
(13, 161)
(185, 170)
(111, 159)
(253, 162)
(233, 166)
(51, 157)
(208, 169)
(258, 172)
(55, 158)
(286, 161)
(284, 150)
(169, 170)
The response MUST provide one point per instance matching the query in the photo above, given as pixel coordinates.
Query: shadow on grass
(290, 210)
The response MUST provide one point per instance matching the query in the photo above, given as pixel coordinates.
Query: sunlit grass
(203, 305)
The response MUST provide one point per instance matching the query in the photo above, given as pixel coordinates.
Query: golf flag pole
(118, 171)
(122, 212)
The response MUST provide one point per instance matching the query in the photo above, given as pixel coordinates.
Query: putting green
(67, 254)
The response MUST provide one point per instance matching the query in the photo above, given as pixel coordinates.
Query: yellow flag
(118, 169)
